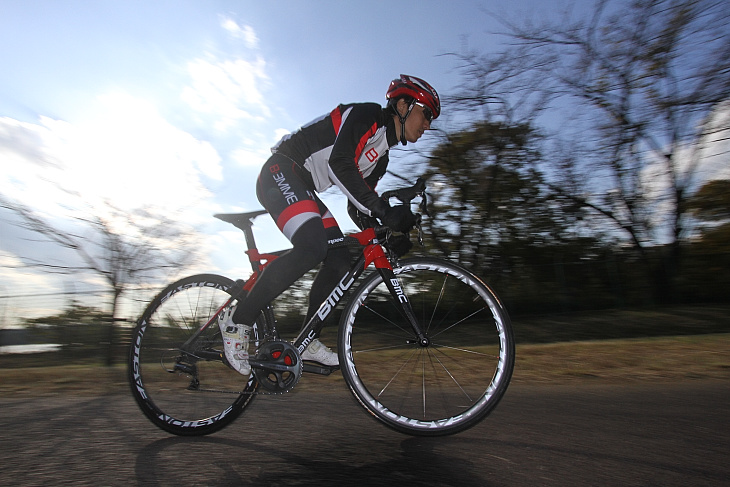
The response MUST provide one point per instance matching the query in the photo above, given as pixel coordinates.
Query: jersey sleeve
(361, 124)
(361, 219)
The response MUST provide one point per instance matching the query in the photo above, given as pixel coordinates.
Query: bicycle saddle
(240, 220)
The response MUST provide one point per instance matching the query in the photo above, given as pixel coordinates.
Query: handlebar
(405, 196)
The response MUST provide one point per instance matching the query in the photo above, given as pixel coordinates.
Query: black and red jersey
(348, 147)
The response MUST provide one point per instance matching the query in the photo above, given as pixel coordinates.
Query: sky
(175, 104)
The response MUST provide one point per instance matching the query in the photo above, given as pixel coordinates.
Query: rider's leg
(334, 267)
(287, 193)
(309, 249)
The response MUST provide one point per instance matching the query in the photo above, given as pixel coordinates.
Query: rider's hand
(400, 245)
(399, 218)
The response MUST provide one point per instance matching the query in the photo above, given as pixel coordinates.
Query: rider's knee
(338, 260)
(310, 243)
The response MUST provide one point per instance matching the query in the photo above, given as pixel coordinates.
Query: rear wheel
(436, 388)
(177, 369)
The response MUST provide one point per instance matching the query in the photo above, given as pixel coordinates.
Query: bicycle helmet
(417, 91)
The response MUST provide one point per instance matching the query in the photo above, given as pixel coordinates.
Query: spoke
(438, 301)
(423, 384)
(452, 377)
(396, 374)
(460, 321)
(387, 320)
(389, 347)
(465, 350)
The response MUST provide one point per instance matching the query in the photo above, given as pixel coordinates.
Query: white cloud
(126, 153)
(228, 91)
(279, 133)
(249, 158)
(716, 153)
(245, 32)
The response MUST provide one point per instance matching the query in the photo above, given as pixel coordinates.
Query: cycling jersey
(348, 147)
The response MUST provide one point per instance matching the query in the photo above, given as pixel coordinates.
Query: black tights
(309, 249)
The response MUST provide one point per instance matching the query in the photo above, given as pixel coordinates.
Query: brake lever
(419, 227)
(406, 195)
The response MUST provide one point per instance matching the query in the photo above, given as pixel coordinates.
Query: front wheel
(177, 369)
(436, 388)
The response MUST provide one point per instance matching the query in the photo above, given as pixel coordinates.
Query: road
(664, 434)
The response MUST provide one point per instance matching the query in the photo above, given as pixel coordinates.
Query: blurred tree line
(120, 247)
(495, 213)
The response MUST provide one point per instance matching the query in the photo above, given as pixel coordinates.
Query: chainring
(277, 366)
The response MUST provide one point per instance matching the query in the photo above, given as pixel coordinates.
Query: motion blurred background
(580, 165)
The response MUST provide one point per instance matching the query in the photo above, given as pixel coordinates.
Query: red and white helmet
(417, 89)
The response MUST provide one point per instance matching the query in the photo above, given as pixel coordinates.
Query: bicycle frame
(372, 253)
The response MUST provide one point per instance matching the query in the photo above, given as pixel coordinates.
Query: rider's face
(416, 123)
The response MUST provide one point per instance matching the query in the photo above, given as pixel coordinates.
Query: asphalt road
(666, 434)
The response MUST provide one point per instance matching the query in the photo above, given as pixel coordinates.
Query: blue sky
(175, 104)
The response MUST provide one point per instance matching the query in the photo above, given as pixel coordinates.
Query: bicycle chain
(256, 393)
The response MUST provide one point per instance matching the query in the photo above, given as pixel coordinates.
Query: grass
(607, 361)
(628, 360)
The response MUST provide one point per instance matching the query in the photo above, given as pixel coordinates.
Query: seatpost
(248, 235)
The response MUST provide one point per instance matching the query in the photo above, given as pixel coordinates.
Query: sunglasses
(427, 113)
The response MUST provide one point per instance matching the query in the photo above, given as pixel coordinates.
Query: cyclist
(347, 148)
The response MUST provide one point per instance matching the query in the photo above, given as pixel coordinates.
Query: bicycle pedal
(319, 369)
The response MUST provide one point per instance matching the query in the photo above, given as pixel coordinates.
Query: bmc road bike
(424, 345)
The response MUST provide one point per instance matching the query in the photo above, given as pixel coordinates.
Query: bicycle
(424, 345)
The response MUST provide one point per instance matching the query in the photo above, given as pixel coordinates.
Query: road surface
(664, 434)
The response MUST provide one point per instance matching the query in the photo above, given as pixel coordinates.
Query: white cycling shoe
(320, 353)
(235, 341)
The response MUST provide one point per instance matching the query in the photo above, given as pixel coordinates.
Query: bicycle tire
(163, 378)
(443, 388)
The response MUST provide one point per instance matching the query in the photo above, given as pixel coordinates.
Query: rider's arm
(361, 219)
(363, 126)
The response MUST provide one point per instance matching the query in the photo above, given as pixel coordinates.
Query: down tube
(313, 328)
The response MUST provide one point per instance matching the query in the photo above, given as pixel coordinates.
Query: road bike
(424, 345)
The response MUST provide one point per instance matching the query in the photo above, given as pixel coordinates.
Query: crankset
(277, 366)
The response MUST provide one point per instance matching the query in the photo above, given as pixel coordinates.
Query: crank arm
(269, 367)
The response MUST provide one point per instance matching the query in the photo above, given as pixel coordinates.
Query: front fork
(398, 293)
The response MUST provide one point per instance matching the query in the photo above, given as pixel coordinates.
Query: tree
(492, 213)
(635, 88)
(121, 247)
(708, 252)
(712, 202)
(479, 196)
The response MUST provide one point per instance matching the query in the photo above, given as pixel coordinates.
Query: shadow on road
(272, 462)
